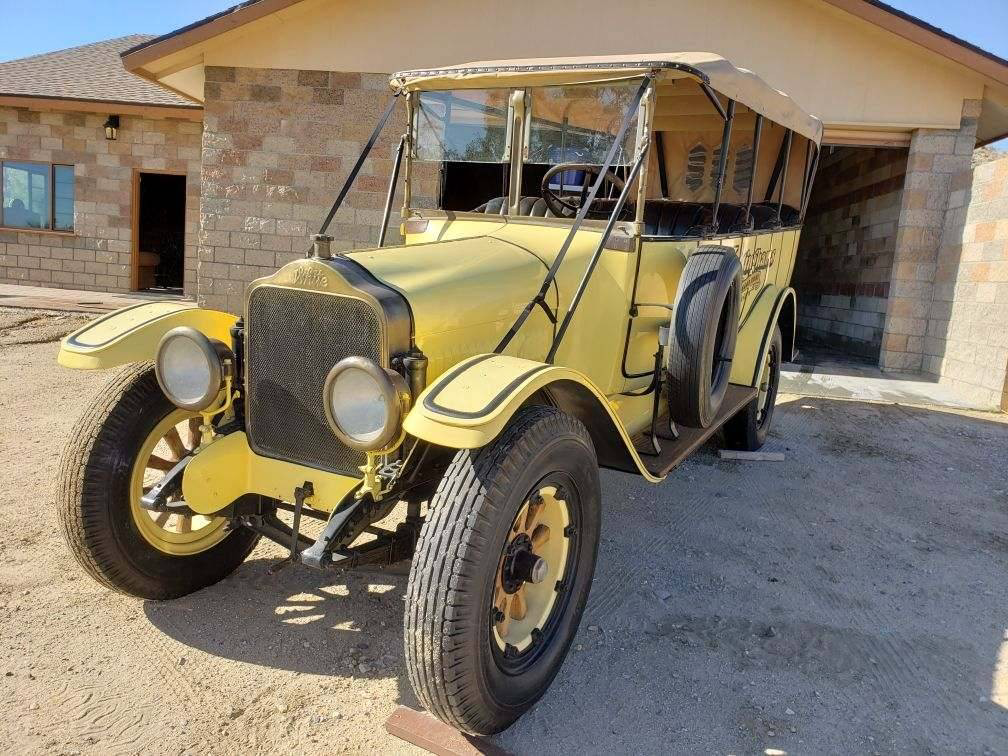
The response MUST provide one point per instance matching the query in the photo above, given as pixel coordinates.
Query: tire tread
(91, 460)
(450, 552)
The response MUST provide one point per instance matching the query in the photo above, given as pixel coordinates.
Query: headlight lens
(365, 403)
(190, 367)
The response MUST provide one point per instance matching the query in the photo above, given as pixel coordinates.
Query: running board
(675, 451)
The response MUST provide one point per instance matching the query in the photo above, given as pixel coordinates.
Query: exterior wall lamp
(112, 127)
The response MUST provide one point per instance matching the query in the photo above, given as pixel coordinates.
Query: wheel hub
(522, 565)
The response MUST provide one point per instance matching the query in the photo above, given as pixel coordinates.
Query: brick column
(277, 146)
(967, 340)
(938, 162)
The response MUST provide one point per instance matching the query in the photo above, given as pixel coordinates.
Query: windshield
(464, 125)
(578, 124)
(565, 134)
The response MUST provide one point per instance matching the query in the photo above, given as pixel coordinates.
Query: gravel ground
(850, 599)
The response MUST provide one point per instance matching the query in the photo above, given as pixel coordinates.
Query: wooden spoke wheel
(171, 532)
(749, 429)
(768, 383)
(502, 571)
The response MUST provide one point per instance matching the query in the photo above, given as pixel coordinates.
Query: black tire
(748, 430)
(703, 334)
(455, 667)
(94, 501)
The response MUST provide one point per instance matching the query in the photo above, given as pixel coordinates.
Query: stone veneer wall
(277, 146)
(967, 332)
(939, 164)
(96, 256)
(846, 250)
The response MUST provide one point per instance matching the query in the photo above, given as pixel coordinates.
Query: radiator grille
(293, 338)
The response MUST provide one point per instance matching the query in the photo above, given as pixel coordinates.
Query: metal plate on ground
(434, 736)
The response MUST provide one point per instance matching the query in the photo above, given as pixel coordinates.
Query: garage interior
(845, 255)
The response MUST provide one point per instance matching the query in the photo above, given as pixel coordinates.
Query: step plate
(690, 439)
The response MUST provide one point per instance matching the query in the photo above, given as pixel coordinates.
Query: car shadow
(850, 598)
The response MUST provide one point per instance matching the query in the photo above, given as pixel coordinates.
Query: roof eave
(200, 31)
(119, 107)
(927, 36)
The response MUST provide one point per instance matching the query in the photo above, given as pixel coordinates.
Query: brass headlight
(365, 403)
(191, 368)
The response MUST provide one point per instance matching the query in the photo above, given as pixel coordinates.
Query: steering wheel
(564, 208)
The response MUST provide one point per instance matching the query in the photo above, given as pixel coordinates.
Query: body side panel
(756, 331)
(470, 405)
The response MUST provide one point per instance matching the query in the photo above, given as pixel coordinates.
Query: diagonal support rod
(359, 164)
(391, 191)
(579, 219)
(590, 268)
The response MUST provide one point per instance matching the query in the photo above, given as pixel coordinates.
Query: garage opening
(845, 255)
(160, 235)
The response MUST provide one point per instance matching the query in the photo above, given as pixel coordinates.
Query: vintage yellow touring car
(594, 274)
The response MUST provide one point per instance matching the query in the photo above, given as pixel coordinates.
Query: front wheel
(502, 572)
(129, 437)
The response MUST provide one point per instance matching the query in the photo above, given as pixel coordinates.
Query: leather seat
(764, 215)
(731, 218)
(672, 218)
(534, 207)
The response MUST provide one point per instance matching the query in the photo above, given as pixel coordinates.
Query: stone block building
(100, 168)
(289, 90)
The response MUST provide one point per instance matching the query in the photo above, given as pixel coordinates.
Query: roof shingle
(90, 72)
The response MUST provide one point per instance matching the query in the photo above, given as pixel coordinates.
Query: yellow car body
(466, 276)
(460, 276)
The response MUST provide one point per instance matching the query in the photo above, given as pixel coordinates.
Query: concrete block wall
(939, 164)
(845, 254)
(97, 255)
(966, 344)
(277, 147)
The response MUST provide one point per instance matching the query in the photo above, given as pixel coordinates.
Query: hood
(464, 293)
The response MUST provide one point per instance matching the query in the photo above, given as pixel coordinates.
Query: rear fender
(773, 304)
(132, 333)
(468, 406)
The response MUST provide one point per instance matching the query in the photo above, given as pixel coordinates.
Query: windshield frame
(520, 115)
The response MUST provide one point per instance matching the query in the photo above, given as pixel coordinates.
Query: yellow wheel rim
(543, 520)
(170, 532)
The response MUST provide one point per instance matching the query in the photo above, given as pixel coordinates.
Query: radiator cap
(321, 247)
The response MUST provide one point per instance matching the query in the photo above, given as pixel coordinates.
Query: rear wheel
(126, 441)
(502, 571)
(749, 429)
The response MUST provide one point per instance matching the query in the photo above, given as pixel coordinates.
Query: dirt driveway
(850, 599)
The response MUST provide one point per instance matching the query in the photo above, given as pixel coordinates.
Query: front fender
(132, 333)
(756, 331)
(468, 407)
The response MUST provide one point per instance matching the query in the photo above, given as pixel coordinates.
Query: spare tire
(703, 334)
